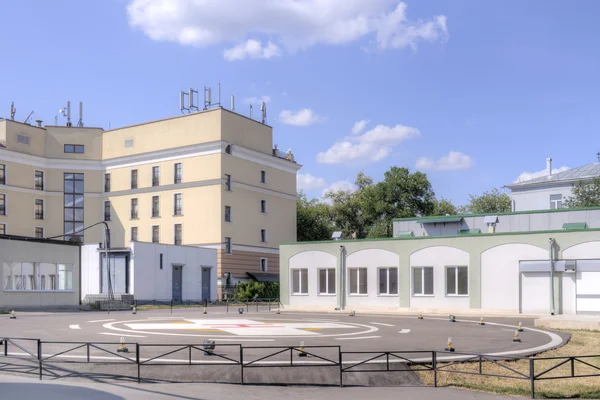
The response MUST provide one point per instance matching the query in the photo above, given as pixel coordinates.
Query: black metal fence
(244, 357)
(249, 304)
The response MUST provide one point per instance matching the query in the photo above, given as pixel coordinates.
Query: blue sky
(473, 93)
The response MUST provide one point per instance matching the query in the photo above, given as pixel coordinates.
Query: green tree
(444, 207)
(259, 290)
(313, 219)
(346, 212)
(489, 202)
(585, 194)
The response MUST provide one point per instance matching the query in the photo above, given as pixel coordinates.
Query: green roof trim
(469, 232)
(575, 225)
(404, 234)
(440, 219)
(481, 235)
(558, 210)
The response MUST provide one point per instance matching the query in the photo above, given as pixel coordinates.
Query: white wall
(538, 198)
(372, 259)
(535, 288)
(152, 283)
(90, 270)
(500, 274)
(587, 250)
(569, 294)
(439, 257)
(313, 261)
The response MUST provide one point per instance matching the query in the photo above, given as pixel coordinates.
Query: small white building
(150, 271)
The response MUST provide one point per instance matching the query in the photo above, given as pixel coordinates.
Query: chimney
(549, 166)
(38, 122)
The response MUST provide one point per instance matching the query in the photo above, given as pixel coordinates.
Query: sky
(476, 94)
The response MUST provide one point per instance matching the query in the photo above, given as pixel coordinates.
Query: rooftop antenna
(263, 109)
(191, 99)
(182, 106)
(29, 116)
(250, 110)
(68, 113)
(13, 110)
(207, 98)
(219, 95)
(232, 103)
(598, 155)
(80, 122)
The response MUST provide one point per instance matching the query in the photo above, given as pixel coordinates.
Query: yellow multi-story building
(210, 178)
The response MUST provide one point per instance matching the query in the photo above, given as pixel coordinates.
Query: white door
(588, 292)
(569, 294)
(535, 293)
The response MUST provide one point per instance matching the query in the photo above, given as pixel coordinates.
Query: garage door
(588, 292)
(535, 292)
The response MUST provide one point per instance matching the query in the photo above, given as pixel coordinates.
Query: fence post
(227, 305)
(434, 366)
(257, 306)
(137, 361)
(5, 347)
(241, 365)
(480, 365)
(341, 368)
(246, 305)
(573, 367)
(171, 306)
(39, 346)
(190, 354)
(387, 361)
(87, 345)
(532, 376)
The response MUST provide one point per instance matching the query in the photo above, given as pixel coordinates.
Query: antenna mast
(80, 122)
(263, 109)
(29, 116)
(13, 110)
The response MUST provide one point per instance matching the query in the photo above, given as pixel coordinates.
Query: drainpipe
(551, 241)
(342, 301)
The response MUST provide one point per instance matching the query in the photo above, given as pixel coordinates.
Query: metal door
(535, 293)
(588, 292)
(177, 282)
(205, 283)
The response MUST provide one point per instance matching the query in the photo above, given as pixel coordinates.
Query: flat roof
(558, 210)
(39, 240)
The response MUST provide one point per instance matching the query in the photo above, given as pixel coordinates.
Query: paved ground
(17, 388)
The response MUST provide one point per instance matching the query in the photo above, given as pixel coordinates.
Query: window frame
(74, 148)
(456, 285)
(263, 176)
(412, 281)
(69, 275)
(3, 207)
(133, 183)
(180, 225)
(152, 233)
(107, 216)
(227, 214)
(152, 215)
(264, 261)
(3, 176)
(358, 284)
(263, 206)
(387, 293)
(156, 176)
(107, 182)
(301, 280)
(263, 236)
(228, 182)
(35, 231)
(177, 177)
(327, 277)
(3, 228)
(137, 208)
(35, 180)
(131, 239)
(74, 179)
(228, 245)
(175, 208)
(35, 211)
(556, 204)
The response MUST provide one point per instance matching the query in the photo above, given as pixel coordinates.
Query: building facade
(211, 178)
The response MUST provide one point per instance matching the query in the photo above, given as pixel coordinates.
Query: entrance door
(177, 282)
(588, 292)
(205, 283)
(535, 293)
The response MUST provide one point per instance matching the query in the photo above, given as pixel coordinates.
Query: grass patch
(581, 343)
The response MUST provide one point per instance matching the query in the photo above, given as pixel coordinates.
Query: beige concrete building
(210, 178)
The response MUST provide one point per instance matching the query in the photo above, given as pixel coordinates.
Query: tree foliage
(489, 202)
(313, 219)
(444, 207)
(259, 290)
(585, 194)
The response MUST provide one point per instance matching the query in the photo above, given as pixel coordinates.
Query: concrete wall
(538, 198)
(34, 252)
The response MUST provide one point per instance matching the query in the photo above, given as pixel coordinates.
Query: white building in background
(150, 271)
(550, 191)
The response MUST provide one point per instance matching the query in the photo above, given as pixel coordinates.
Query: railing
(239, 356)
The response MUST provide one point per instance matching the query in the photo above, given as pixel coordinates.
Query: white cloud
(452, 161)
(525, 176)
(304, 117)
(258, 100)
(251, 49)
(308, 182)
(294, 24)
(372, 146)
(359, 126)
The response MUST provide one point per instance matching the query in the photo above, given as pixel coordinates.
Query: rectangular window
(358, 281)
(263, 206)
(155, 234)
(107, 183)
(73, 206)
(38, 180)
(423, 281)
(107, 210)
(457, 281)
(388, 280)
(2, 229)
(155, 207)
(177, 173)
(39, 232)
(178, 234)
(263, 176)
(23, 139)
(300, 281)
(2, 204)
(134, 178)
(74, 148)
(128, 143)
(264, 265)
(134, 233)
(228, 245)
(228, 182)
(39, 209)
(134, 208)
(177, 204)
(263, 235)
(556, 201)
(227, 214)
(2, 174)
(327, 281)
(27, 276)
(155, 176)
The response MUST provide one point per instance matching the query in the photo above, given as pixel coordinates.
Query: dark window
(263, 176)
(177, 173)
(228, 245)
(228, 149)
(39, 209)
(358, 281)
(134, 231)
(107, 182)
(227, 214)
(107, 210)
(263, 206)
(39, 232)
(39, 180)
(2, 229)
(73, 206)
(178, 236)
(2, 204)
(264, 265)
(228, 182)
(155, 234)
(134, 183)
(327, 281)
(263, 235)
(155, 176)
(134, 208)
(177, 204)
(2, 174)
(74, 148)
(155, 207)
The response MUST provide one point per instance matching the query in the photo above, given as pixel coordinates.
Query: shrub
(260, 290)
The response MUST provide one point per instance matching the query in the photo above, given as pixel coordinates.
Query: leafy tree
(444, 207)
(313, 219)
(260, 290)
(346, 212)
(489, 202)
(585, 194)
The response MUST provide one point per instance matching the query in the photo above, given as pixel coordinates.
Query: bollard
(134, 310)
(205, 311)
(301, 352)
(481, 321)
(520, 327)
(449, 345)
(516, 338)
(420, 315)
(122, 348)
(12, 315)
